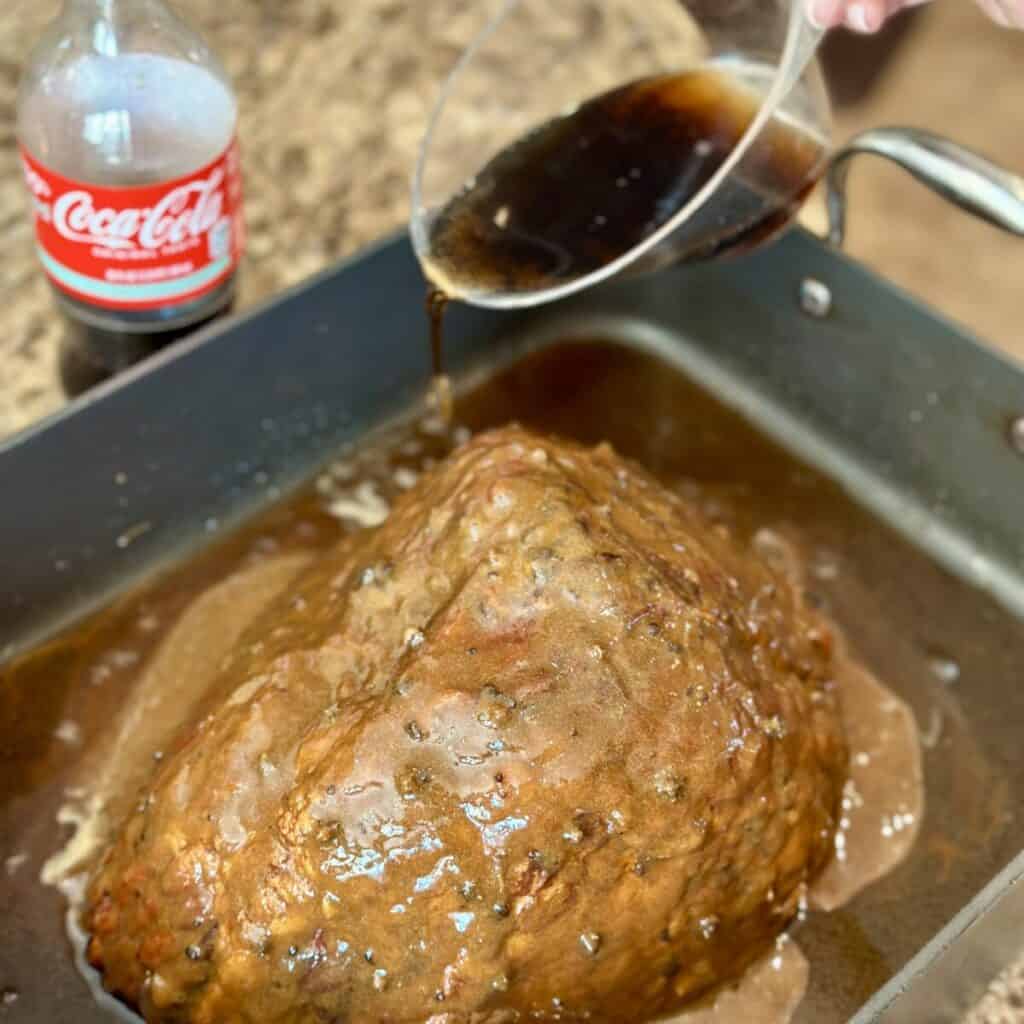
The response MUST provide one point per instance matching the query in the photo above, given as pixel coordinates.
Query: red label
(139, 247)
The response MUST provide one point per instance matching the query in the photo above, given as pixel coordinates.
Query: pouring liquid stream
(440, 382)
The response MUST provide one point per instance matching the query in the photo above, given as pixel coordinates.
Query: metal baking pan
(903, 425)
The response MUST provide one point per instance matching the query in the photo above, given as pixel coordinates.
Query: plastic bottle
(126, 123)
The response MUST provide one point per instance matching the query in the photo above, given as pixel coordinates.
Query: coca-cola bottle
(126, 123)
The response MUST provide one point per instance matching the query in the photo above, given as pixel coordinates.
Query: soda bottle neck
(123, 15)
(112, 28)
(109, 9)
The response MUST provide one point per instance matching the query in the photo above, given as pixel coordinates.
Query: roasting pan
(913, 470)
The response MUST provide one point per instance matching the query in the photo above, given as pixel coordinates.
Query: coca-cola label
(139, 247)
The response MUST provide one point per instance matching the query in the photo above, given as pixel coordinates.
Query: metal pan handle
(961, 175)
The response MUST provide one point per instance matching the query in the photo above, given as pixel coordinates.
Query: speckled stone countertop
(334, 96)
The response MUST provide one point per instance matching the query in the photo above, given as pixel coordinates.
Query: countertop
(334, 97)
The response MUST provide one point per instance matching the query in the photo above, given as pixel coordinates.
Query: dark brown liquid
(583, 190)
(441, 385)
(92, 352)
(437, 302)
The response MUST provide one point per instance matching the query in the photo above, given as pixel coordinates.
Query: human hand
(870, 15)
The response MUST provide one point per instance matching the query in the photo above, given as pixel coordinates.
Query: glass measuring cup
(535, 64)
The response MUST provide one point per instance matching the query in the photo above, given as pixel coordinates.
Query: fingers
(870, 15)
(864, 15)
(1009, 13)
(826, 13)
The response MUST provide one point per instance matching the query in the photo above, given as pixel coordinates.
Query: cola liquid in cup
(126, 124)
(582, 190)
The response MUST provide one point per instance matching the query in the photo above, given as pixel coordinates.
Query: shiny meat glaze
(546, 745)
